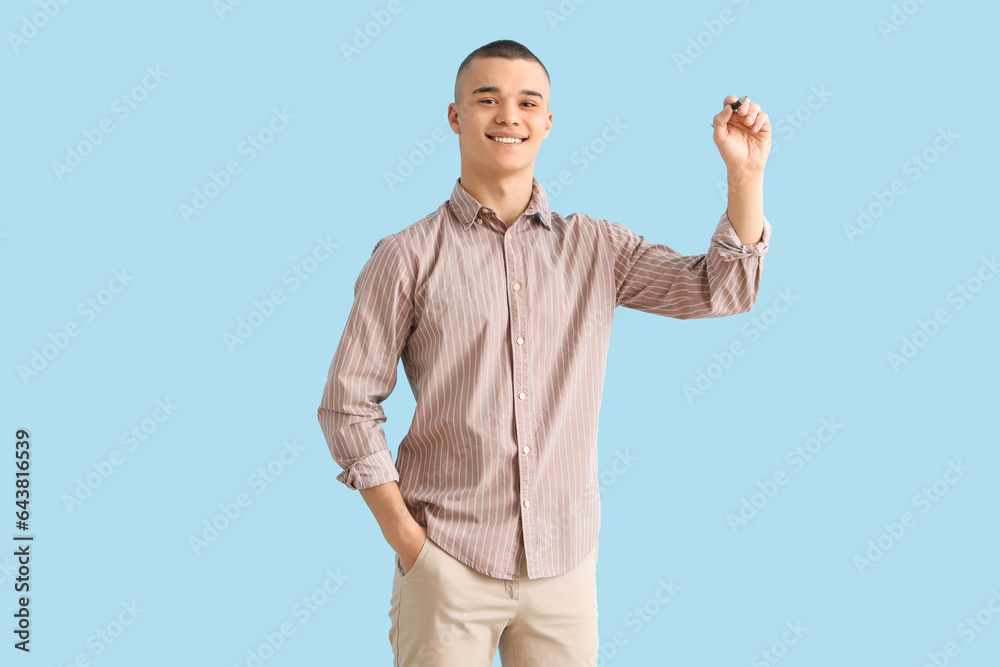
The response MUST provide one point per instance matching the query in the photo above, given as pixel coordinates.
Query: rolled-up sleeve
(656, 279)
(363, 371)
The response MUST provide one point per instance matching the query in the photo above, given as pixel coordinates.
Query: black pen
(735, 105)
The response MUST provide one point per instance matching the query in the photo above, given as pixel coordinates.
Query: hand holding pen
(742, 134)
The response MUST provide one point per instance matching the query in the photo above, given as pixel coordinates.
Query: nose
(508, 113)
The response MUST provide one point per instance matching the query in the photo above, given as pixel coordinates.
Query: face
(500, 98)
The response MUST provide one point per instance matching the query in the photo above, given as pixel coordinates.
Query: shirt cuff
(370, 471)
(728, 242)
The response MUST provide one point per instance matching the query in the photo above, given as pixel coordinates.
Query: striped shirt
(503, 333)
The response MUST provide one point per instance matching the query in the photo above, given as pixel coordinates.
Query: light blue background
(665, 515)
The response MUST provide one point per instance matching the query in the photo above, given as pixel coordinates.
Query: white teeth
(504, 140)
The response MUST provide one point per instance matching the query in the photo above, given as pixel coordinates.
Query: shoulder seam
(403, 252)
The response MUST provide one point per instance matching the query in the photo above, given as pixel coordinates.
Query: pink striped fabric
(503, 333)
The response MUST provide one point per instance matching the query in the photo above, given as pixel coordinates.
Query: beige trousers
(446, 614)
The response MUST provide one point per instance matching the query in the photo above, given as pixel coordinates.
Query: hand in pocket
(409, 551)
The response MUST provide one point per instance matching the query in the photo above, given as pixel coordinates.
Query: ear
(453, 118)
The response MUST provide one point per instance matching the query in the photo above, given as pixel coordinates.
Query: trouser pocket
(421, 557)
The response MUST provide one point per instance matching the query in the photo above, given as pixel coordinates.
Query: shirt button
(520, 340)
(521, 395)
(526, 503)
(486, 210)
(479, 220)
(508, 234)
(527, 449)
(516, 286)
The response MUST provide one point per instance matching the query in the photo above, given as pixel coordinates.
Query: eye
(492, 100)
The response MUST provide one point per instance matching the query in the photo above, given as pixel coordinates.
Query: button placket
(521, 374)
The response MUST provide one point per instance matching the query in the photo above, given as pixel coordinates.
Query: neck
(507, 195)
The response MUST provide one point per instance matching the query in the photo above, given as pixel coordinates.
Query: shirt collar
(465, 207)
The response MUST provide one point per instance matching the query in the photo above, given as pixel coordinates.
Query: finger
(761, 121)
(751, 115)
(729, 100)
(744, 108)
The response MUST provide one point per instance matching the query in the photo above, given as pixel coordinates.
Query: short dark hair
(507, 49)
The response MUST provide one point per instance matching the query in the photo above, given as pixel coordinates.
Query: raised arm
(657, 279)
(743, 137)
(726, 279)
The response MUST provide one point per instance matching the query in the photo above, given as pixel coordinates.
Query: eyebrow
(494, 89)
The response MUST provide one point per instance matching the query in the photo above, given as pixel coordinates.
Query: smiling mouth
(502, 140)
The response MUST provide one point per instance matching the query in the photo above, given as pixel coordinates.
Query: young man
(501, 311)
